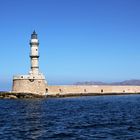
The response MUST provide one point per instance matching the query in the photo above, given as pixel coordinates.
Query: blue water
(83, 118)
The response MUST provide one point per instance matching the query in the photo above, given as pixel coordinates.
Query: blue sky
(80, 40)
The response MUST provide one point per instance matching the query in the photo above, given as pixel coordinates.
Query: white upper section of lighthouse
(34, 44)
(34, 58)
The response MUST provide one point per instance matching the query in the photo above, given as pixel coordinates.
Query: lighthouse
(34, 55)
(34, 82)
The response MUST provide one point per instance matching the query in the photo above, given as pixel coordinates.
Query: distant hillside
(127, 82)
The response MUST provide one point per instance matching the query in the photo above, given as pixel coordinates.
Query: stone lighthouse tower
(35, 81)
(34, 44)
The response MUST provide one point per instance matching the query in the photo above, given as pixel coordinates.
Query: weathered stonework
(71, 90)
(29, 86)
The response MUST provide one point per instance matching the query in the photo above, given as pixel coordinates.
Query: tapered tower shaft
(34, 55)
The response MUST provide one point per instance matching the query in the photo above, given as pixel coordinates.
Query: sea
(75, 118)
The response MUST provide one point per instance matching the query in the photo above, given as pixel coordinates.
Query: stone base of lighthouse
(29, 84)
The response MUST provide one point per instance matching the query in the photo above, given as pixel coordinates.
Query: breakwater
(83, 90)
(11, 95)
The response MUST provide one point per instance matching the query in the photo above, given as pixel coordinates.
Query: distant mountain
(127, 82)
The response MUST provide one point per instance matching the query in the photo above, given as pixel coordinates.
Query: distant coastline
(133, 82)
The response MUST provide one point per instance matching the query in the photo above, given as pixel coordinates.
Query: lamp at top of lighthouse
(34, 39)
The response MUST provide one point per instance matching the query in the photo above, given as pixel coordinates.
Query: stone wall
(39, 86)
(64, 90)
(29, 86)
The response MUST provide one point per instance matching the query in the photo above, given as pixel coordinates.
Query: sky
(80, 40)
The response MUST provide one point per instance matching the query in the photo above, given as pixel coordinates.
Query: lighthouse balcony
(34, 55)
(30, 76)
(21, 77)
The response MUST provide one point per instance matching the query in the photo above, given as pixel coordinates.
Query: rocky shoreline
(11, 95)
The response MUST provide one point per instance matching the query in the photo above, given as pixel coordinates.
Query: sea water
(80, 118)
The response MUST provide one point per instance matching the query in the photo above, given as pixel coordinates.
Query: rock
(11, 97)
